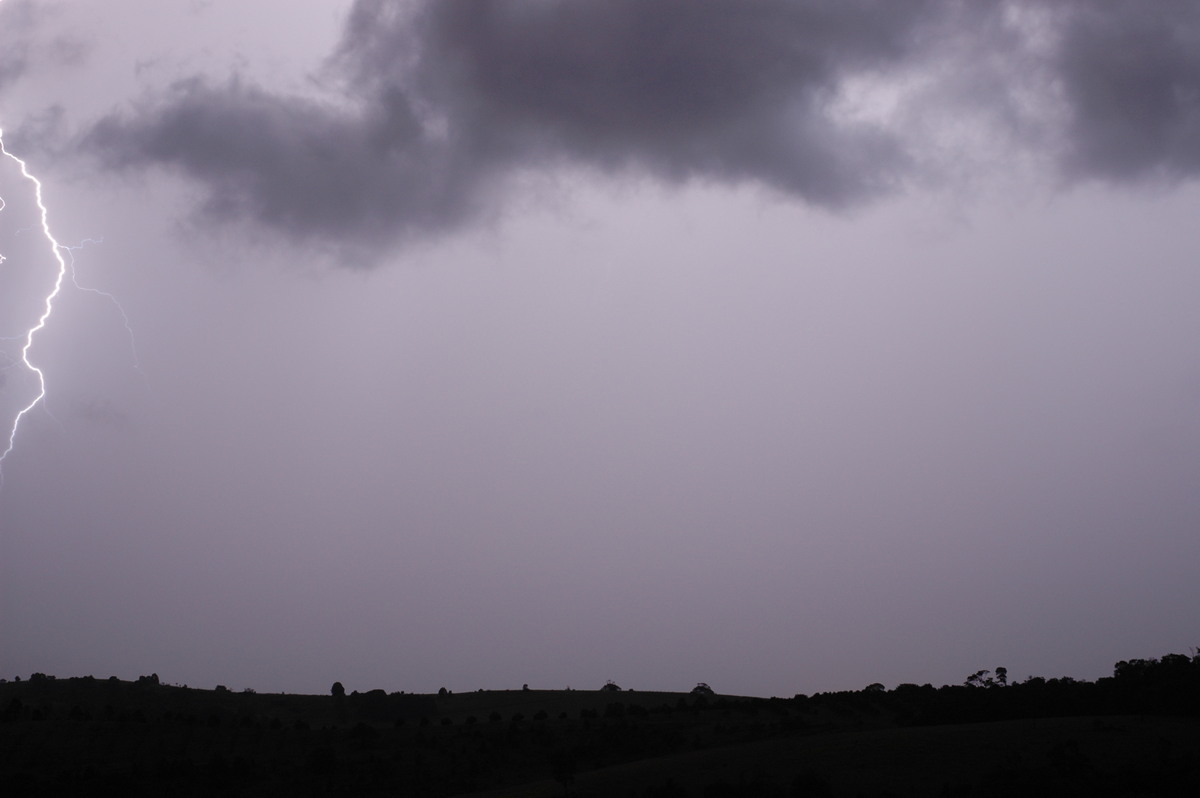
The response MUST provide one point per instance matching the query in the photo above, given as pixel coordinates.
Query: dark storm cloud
(1130, 75)
(304, 169)
(722, 89)
(450, 98)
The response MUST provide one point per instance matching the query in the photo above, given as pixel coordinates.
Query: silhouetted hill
(1135, 733)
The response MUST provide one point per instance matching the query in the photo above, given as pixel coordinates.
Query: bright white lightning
(47, 303)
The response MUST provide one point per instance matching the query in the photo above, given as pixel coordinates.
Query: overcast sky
(785, 345)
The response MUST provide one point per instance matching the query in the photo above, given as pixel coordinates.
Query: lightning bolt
(137, 365)
(47, 303)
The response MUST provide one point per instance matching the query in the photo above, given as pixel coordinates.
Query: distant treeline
(82, 735)
(1166, 686)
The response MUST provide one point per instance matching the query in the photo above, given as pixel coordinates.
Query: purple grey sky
(785, 345)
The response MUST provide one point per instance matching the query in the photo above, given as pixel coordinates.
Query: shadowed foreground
(1136, 733)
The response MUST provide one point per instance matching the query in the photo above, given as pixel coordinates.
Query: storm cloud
(1130, 75)
(14, 47)
(445, 102)
(12, 64)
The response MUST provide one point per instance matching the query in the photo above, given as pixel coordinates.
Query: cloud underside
(445, 101)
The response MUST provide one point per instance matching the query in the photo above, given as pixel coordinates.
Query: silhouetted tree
(982, 679)
(611, 687)
(337, 691)
(702, 689)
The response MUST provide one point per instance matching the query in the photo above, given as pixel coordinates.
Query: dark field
(1136, 733)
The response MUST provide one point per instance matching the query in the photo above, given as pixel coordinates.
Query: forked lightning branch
(47, 303)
